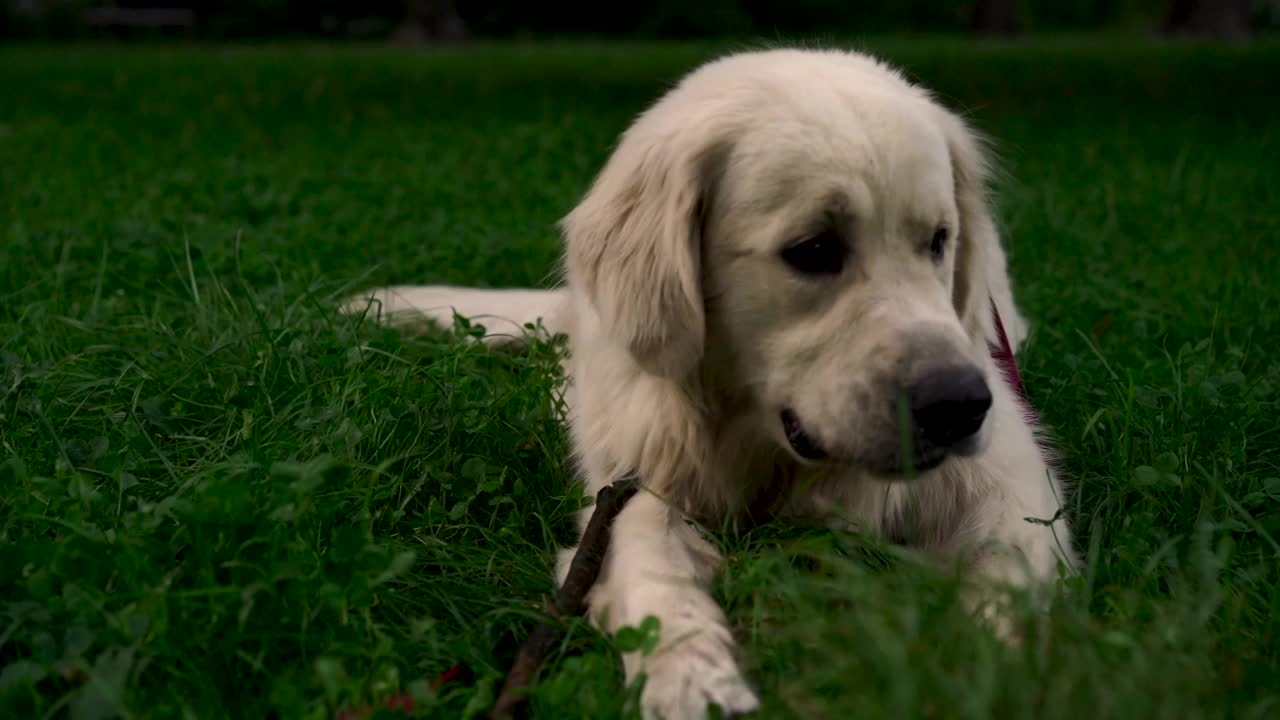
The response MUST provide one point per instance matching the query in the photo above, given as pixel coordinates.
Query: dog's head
(807, 234)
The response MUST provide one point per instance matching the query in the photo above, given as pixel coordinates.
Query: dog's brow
(780, 190)
(832, 214)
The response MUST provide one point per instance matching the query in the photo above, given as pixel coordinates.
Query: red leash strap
(403, 701)
(1002, 353)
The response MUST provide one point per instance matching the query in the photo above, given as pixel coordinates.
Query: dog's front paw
(683, 682)
(1009, 587)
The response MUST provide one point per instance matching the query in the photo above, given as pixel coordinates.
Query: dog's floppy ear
(633, 243)
(981, 270)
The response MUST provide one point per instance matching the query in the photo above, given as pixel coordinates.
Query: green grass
(218, 498)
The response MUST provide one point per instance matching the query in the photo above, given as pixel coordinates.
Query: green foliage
(220, 498)
(240, 20)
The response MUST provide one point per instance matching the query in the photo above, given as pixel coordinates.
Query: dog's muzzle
(946, 408)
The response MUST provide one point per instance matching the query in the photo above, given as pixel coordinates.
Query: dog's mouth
(922, 459)
(921, 456)
(801, 442)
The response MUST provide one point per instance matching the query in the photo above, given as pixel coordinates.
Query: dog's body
(782, 285)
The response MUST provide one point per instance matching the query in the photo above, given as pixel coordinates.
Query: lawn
(219, 498)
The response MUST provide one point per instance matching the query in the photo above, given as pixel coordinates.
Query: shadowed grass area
(218, 498)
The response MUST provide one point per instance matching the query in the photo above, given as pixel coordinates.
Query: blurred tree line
(437, 21)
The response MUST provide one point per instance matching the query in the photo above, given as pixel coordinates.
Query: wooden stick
(570, 598)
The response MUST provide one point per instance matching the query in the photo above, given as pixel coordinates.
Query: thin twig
(570, 598)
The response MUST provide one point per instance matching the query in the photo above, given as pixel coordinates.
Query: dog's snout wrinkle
(949, 405)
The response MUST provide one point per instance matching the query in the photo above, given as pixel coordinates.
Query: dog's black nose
(948, 405)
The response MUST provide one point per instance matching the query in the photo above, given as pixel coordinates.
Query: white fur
(688, 334)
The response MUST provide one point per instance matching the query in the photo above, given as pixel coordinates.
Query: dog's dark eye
(938, 245)
(822, 254)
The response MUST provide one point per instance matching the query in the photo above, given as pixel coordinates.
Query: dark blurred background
(424, 22)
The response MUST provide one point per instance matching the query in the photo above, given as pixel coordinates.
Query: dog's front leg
(658, 565)
(1015, 536)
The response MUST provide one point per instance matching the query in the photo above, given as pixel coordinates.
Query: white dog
(779, 292)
